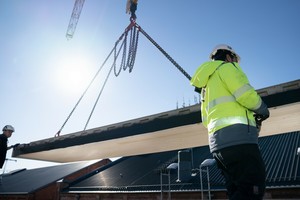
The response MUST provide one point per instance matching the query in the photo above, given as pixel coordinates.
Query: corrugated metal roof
(28, 181)
(280, 155)
(142, 173)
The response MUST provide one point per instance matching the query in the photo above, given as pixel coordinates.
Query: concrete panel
(283, 119)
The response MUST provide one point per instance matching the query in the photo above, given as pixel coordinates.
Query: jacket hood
(203, 73)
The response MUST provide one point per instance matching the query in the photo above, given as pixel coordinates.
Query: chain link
(165, 53)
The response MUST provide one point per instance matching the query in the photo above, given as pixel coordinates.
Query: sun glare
(73, 75)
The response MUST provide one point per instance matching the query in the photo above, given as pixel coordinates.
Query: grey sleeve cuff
(262, 110)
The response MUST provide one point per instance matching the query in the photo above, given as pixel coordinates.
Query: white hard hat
(8, 128)
(224, 47)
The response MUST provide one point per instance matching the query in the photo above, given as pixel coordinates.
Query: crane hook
(131, 7)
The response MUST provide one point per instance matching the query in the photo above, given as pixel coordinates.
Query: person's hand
(259, 119)
(198, 90)
(15, 145)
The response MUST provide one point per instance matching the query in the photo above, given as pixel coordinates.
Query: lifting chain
(125, 63)
(165, 53)
(132, 49)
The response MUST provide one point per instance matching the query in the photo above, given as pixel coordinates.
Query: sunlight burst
(73, 75)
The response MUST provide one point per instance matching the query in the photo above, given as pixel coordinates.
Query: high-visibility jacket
(228, 104)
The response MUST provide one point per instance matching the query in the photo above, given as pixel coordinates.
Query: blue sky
(43, 74)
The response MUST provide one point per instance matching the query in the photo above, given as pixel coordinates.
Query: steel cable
(123, 65)
(126, 62)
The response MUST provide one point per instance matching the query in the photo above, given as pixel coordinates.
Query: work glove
(262, 113)
(15, 145)
(259, 119)
(198, 90)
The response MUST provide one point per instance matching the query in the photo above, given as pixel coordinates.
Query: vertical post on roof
(208, 183)
(206, 163)
(5, 163)
(201, 183)
(172, 166)
(184, 165)
(169, 182)
(161, 185)
(168, 174)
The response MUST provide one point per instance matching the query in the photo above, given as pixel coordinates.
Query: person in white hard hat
(7, 133)
(231, 56)
(232, 112)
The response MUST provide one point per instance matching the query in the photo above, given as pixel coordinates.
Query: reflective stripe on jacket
(227, 100)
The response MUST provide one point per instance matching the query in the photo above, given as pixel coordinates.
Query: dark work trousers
(244, 171)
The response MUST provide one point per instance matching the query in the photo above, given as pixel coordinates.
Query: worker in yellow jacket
(232, 112)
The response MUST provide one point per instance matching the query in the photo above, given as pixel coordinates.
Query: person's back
(225, 107)
(228, 105)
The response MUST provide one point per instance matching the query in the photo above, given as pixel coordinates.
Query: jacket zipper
(248, 121)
